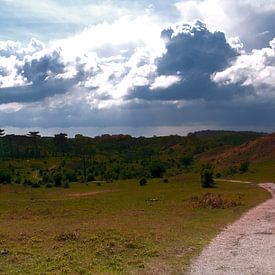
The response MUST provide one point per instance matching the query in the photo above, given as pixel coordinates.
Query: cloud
(245, 19)
(256, 69)
(193, 54)
(112, 75)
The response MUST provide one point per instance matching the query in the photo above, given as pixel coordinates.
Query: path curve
(244, 248)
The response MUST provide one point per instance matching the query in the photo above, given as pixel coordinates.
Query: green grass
(258, 172)
(47, 231)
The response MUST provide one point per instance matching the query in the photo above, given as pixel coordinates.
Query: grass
(126, 229)
(258, 172)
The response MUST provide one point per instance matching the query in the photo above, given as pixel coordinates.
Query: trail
(245, 247)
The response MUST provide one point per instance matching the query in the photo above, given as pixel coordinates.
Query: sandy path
(245, 247)
(87, 194)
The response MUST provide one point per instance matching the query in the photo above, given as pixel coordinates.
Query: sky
(137, 67)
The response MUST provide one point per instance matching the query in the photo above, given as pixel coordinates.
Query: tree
(85, 150)
(33, 134)
(244, 167)
(60, 141)
(157, 169)
(207, 180)
(186, 160)
(2, 133)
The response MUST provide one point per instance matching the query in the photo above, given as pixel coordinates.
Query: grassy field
(115, 228)
(258, 172)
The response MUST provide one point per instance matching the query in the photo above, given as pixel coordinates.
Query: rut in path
(245, 247)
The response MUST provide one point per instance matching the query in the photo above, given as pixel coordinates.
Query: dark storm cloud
(193, 53)
(40, 90)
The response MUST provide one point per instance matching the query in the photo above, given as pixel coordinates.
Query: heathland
(119, 204)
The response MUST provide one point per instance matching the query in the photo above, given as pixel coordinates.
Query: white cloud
(256, 69)
(165, 81)
(245, 19)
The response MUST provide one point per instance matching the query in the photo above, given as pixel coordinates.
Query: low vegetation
(114, 228)
(118, 204)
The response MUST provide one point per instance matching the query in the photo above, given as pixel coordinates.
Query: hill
(258, 150)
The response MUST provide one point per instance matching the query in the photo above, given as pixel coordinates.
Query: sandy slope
(245, 247)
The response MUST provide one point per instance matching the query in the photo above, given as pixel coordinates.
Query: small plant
(66, 185)
(244, 167)
(90, 177)
(157, 169)
(71, 176)
(207, 180)
(57, 180)
(35, 185)
(143, 182)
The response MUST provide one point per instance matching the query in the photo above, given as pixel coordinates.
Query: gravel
(245, 247)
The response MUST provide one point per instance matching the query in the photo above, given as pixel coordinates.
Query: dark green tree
(157, 169)
(207, 180)
(60, 141)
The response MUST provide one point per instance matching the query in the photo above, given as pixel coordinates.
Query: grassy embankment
(258, 172)
(128, 228)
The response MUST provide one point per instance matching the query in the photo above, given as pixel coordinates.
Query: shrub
(66, 185)
(143, 182)
(71, 176)
(35, 185)
(91, 177)
(48, 185)
(207, 180)
(186, 160)
(157, 169)
(5, 177)
(57, 178)
(244, 167)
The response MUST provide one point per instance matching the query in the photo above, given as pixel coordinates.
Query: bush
(71, 176)
(91, 177)
(57, 178)
(35, 185)
(143, 182)
(244, 167)
(157, 169)
(186, 160)
(5, 177)
(48, 185)
(66, 185)
(207, 180)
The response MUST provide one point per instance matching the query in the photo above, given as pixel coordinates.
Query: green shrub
(186, 160)
(207, 180)
(143, 182)
(91, 177)
(244, 167)
(57, 178)
(66, 185)
(71, 176)
(35, 185)
(5, 177)
(157, 169)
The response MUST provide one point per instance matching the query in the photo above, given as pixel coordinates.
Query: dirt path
(245, 247)
(87, 194)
